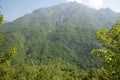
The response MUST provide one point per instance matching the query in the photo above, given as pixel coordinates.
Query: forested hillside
(54, 43)
(64, 31)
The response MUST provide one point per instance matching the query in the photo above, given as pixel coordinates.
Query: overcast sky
(12, 9)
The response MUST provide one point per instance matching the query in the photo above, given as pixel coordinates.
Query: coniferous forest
(69, 41)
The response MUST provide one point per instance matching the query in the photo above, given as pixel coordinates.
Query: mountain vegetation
(54, 43)
(110, 50)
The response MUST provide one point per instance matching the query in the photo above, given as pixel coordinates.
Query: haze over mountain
(65, 31)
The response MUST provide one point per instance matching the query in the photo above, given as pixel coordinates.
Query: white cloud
(97, 4)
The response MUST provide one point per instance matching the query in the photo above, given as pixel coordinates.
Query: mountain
(65, 31)
(5, 21)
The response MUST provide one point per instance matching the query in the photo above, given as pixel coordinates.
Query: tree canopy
(110, 50)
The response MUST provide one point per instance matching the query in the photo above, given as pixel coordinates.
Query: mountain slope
(64, 31)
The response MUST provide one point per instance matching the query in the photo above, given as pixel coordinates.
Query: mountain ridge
(68, 8)
(65, 31)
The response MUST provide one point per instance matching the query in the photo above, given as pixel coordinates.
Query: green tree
(110, 50)
(1, 18)
(5, 58)
(10, 67)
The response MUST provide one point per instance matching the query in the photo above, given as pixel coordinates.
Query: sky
(12, 9)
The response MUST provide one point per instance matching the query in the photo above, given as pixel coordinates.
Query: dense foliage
(64, 31)
(110, 51)
(54, 44)
(13, 69)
